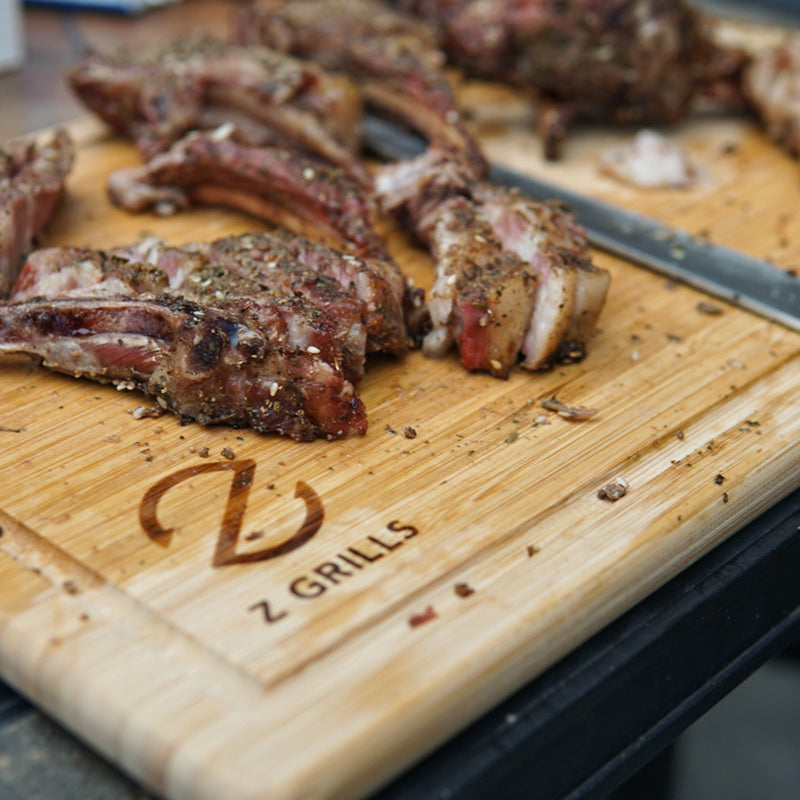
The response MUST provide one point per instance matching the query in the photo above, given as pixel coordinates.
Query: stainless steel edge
(747, 282)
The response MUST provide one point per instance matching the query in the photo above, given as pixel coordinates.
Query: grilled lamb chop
(204, 364)
(156, 94)
(284, 262)
(772, 86)
(285, 188)
(394, 58)
(363, 298)
(153, 268)
(32, 175)
(307, 294)
(639, 61)
(514, 277)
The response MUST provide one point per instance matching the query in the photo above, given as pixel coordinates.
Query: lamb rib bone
(275, 184)
(157, 93)
(395, 59)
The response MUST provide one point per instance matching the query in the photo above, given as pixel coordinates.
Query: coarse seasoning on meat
(32, 176)
(514, 279)
(204, 364)
(156, 94)
(287, 263)
(394, 59)
(640, 61)
(318, 310)
(273, 183)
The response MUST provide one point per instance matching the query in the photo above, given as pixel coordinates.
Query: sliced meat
(526, 264)
(156, 94)
(571, 289)
(482, 297)
(32, 176)
(272, 183)
(203, 364)
(639, 61)
(395, 59)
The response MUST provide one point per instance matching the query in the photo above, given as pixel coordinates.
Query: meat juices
(633, 61)
(32, 175)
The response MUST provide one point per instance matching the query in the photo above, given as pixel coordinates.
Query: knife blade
(728, 274)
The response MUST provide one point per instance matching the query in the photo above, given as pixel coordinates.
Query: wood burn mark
(225, 553)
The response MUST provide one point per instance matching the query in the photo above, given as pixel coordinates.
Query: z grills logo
(318, 580)
(225, 552)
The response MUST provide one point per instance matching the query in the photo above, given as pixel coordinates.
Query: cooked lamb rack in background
(32, 176)
(394, 59)
(514, 276)
(156, 94)
(638, 61)
(204, 364)
(273, 183)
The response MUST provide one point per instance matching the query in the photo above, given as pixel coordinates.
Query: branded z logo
(225, 552)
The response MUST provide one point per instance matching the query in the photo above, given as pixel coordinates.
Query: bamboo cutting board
(399, 584)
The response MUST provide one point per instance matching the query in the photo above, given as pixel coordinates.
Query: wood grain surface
(432, 566)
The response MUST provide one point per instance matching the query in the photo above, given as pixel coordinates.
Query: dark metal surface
(728, 274)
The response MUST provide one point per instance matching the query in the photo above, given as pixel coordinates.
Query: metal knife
(754, 285)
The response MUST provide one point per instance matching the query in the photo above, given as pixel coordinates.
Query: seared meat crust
(395, 59)
(156, 94)
(201, 363)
